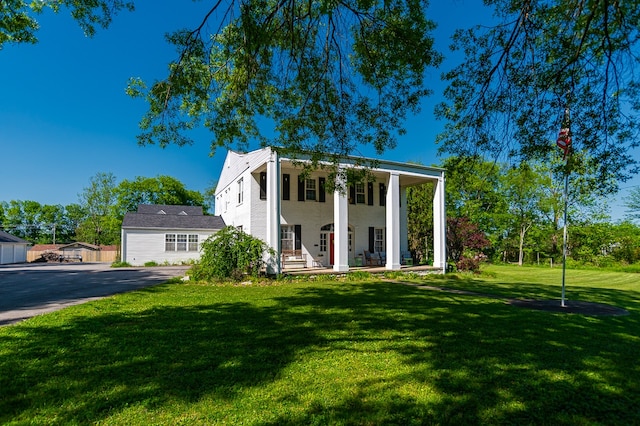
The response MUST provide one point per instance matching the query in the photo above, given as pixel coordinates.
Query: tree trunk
(523, 231)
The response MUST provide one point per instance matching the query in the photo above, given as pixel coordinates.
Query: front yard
(331, 351)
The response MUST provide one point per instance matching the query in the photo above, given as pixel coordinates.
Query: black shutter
(286, 187)
(263, 185)
(352, 194)
(370, 193)
(300, 188)
(383, 194)
(372, 238)
(298, 236)
(321, 190)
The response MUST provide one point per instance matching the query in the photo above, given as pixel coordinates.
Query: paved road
(27, 290)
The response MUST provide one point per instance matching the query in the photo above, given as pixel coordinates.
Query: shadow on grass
(489, 362)
(476, 360)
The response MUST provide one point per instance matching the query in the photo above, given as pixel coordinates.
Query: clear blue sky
(64, 114)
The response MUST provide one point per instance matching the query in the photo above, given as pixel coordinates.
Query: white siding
(313, 215)
(252, 216)
(142, 246)
(13, 253)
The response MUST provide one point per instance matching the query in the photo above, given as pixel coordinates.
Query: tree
(230, 253)
(475, 191)
(19, 25)
(32, 221)
(524, 197)
(158, 190)
(100, 225)
(420, 220)
(324, 76)
(465, 243)
(632, 203)
(626, 243)
(210, 196)
(508, 97)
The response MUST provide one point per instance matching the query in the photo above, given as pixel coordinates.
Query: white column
(404, 225)
(273, 213)
(439, 226)
(340, 227)
(393, 222)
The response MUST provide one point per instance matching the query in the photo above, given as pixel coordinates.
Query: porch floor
(371, 269)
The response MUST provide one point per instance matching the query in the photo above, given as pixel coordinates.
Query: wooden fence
(106, 256)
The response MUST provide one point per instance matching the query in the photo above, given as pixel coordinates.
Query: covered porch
(340, 230)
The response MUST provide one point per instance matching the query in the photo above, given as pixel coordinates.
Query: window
(323, 241)
(378, 242)
(170, 242)
(286, 186)
(287, 236)
(300, 188)
(360, 193)
(310, 186)
(263, 185)
(323, 189)
(240, 191)
(193, 243)
(181, 242)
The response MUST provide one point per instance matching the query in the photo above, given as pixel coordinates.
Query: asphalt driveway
(27, 290)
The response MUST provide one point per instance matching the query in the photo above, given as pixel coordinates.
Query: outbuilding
(166, 234)
(12, 249)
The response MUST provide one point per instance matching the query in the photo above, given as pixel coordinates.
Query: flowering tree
(465, 243)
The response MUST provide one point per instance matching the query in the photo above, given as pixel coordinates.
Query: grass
(332, 351)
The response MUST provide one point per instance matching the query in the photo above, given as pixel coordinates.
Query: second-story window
(240, 191)
(310, 186)
(360, 193)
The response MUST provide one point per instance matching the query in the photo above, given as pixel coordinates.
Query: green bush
(151, 263)
(468, 264)
(230, 253)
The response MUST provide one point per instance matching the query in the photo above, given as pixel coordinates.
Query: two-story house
(268, 196)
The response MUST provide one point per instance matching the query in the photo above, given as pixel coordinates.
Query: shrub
(230, 253)
(464, 239)
(471, 264)
(151, 263)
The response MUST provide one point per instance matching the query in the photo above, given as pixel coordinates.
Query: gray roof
(171, 217)
(8, 238)
(167, 209)
(79, 244)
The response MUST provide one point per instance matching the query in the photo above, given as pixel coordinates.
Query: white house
(300, 220)
(165, 234)
(12, 249)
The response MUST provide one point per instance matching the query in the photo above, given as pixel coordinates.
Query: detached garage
(12, 249)
(166, 234)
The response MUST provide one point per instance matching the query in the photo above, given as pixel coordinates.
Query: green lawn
(365, 352)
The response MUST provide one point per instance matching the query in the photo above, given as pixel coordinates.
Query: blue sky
(64, 114)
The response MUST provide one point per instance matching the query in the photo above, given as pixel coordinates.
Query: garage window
(181, 242)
